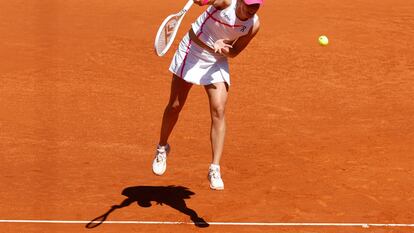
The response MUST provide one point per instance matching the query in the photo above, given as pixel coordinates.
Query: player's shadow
(173, 196)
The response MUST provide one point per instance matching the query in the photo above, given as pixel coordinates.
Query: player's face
(244, 11)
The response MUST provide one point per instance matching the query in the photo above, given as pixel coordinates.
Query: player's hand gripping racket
(168, 30)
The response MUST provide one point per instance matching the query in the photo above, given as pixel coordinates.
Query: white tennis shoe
(214, 176)
(159, 165)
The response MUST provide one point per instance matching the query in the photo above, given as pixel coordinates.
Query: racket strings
(166, 34)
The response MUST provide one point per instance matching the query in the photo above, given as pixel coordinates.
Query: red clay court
(315, 134)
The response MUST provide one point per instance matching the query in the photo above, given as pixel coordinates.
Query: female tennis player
(219, 33)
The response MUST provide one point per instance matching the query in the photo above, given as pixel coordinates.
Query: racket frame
(181, 15)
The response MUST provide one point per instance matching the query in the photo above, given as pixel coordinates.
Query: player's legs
(217, 95)
(178, 96)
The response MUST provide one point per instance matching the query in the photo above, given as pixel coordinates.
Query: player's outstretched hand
(222, 47)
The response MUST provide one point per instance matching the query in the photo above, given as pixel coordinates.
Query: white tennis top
(215, 24)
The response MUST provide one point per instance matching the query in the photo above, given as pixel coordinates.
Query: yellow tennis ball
(323, 40)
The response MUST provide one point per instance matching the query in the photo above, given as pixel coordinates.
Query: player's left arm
(241, 43)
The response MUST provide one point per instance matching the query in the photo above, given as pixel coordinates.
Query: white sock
(215, 166)
(162, 147)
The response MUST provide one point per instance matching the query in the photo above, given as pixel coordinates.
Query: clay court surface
(315, 134)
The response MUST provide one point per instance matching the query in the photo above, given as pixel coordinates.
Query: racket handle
(188, 5)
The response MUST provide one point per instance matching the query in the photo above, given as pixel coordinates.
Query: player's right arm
(232, 49)
(219, 4)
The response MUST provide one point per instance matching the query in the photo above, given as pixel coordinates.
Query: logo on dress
(226, 16)
(243, 28)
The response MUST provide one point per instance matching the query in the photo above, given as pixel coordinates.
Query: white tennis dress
(199, 66)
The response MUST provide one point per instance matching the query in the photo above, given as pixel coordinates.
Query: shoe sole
(159, 174)
(216, 188)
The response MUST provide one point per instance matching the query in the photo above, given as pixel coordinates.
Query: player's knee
(174, 107)
(217, 113)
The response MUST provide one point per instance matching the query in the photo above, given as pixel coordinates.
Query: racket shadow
(173, 196)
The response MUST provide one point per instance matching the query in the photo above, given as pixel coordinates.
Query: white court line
(281, 224)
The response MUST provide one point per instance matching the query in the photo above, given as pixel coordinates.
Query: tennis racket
(168, 30)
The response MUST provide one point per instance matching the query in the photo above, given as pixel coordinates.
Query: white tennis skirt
(199, 66)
